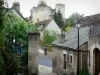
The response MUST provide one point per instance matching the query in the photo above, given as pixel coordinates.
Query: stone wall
(33, 46)
(70, 68)
(58, 61)
(94, 42)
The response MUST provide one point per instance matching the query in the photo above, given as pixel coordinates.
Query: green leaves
(59, 19)
(2, 69)
(17, 28)
(49, 37)
(71, 20)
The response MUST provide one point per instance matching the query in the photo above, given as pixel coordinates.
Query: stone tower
(60, 7)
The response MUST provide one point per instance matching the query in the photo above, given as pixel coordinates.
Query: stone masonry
(33, 46)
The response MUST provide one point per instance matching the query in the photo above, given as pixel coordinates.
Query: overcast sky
(86, 7)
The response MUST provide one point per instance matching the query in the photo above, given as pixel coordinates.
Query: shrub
(84, 72)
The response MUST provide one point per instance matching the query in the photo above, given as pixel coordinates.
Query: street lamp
(78, 27)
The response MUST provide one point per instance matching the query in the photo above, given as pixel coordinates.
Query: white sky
(86, 7)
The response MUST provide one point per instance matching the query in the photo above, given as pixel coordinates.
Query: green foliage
(49, 37)
(2, 69)
(12, 64)
(16, 28)
(59, 19)
(71, 20)
(67, 28)
(84, 72)
(1, 14)
(24, 59)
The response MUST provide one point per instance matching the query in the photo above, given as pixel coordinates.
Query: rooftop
(92, 20)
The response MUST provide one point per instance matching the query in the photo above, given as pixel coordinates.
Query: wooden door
(97, 62)
(64, 61)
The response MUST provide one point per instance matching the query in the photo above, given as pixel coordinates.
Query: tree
(71, 20)
(2, 50)
(59, 19)
(49, 37)
(14, 28)
(1, 25)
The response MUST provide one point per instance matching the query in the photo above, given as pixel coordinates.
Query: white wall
(53, 27)
(41, 13)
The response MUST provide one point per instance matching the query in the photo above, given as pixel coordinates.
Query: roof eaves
(67, 48)
(18, 13)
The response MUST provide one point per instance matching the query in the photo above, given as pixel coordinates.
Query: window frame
(71, 59)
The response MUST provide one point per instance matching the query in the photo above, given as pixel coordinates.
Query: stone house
(49, 25)
(65, 47)
(65, 51)
(93, 22)
(15, 10)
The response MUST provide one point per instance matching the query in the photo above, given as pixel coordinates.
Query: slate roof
(94, 30)
(71, 38)
(92, 20)
(12, 8)
(18, 13)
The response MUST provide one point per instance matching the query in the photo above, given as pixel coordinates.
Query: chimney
(16, 6)
(62, 37)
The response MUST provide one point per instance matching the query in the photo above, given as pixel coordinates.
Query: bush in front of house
(84, 72)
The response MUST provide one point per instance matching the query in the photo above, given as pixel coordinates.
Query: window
(70, 59)
(64, 65)
(64, 57)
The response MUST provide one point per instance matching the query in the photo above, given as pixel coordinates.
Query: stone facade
(94, 42)
(58, 59)
(33, 47)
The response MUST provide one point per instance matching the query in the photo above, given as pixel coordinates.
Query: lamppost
(78, 27)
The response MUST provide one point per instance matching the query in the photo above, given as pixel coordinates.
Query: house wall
(70, 68)
(94, 42)
(84, 56)
(58, 60)
(52, 26)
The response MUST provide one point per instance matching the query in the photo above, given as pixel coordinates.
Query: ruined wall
(33, 46)
(41, 13)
